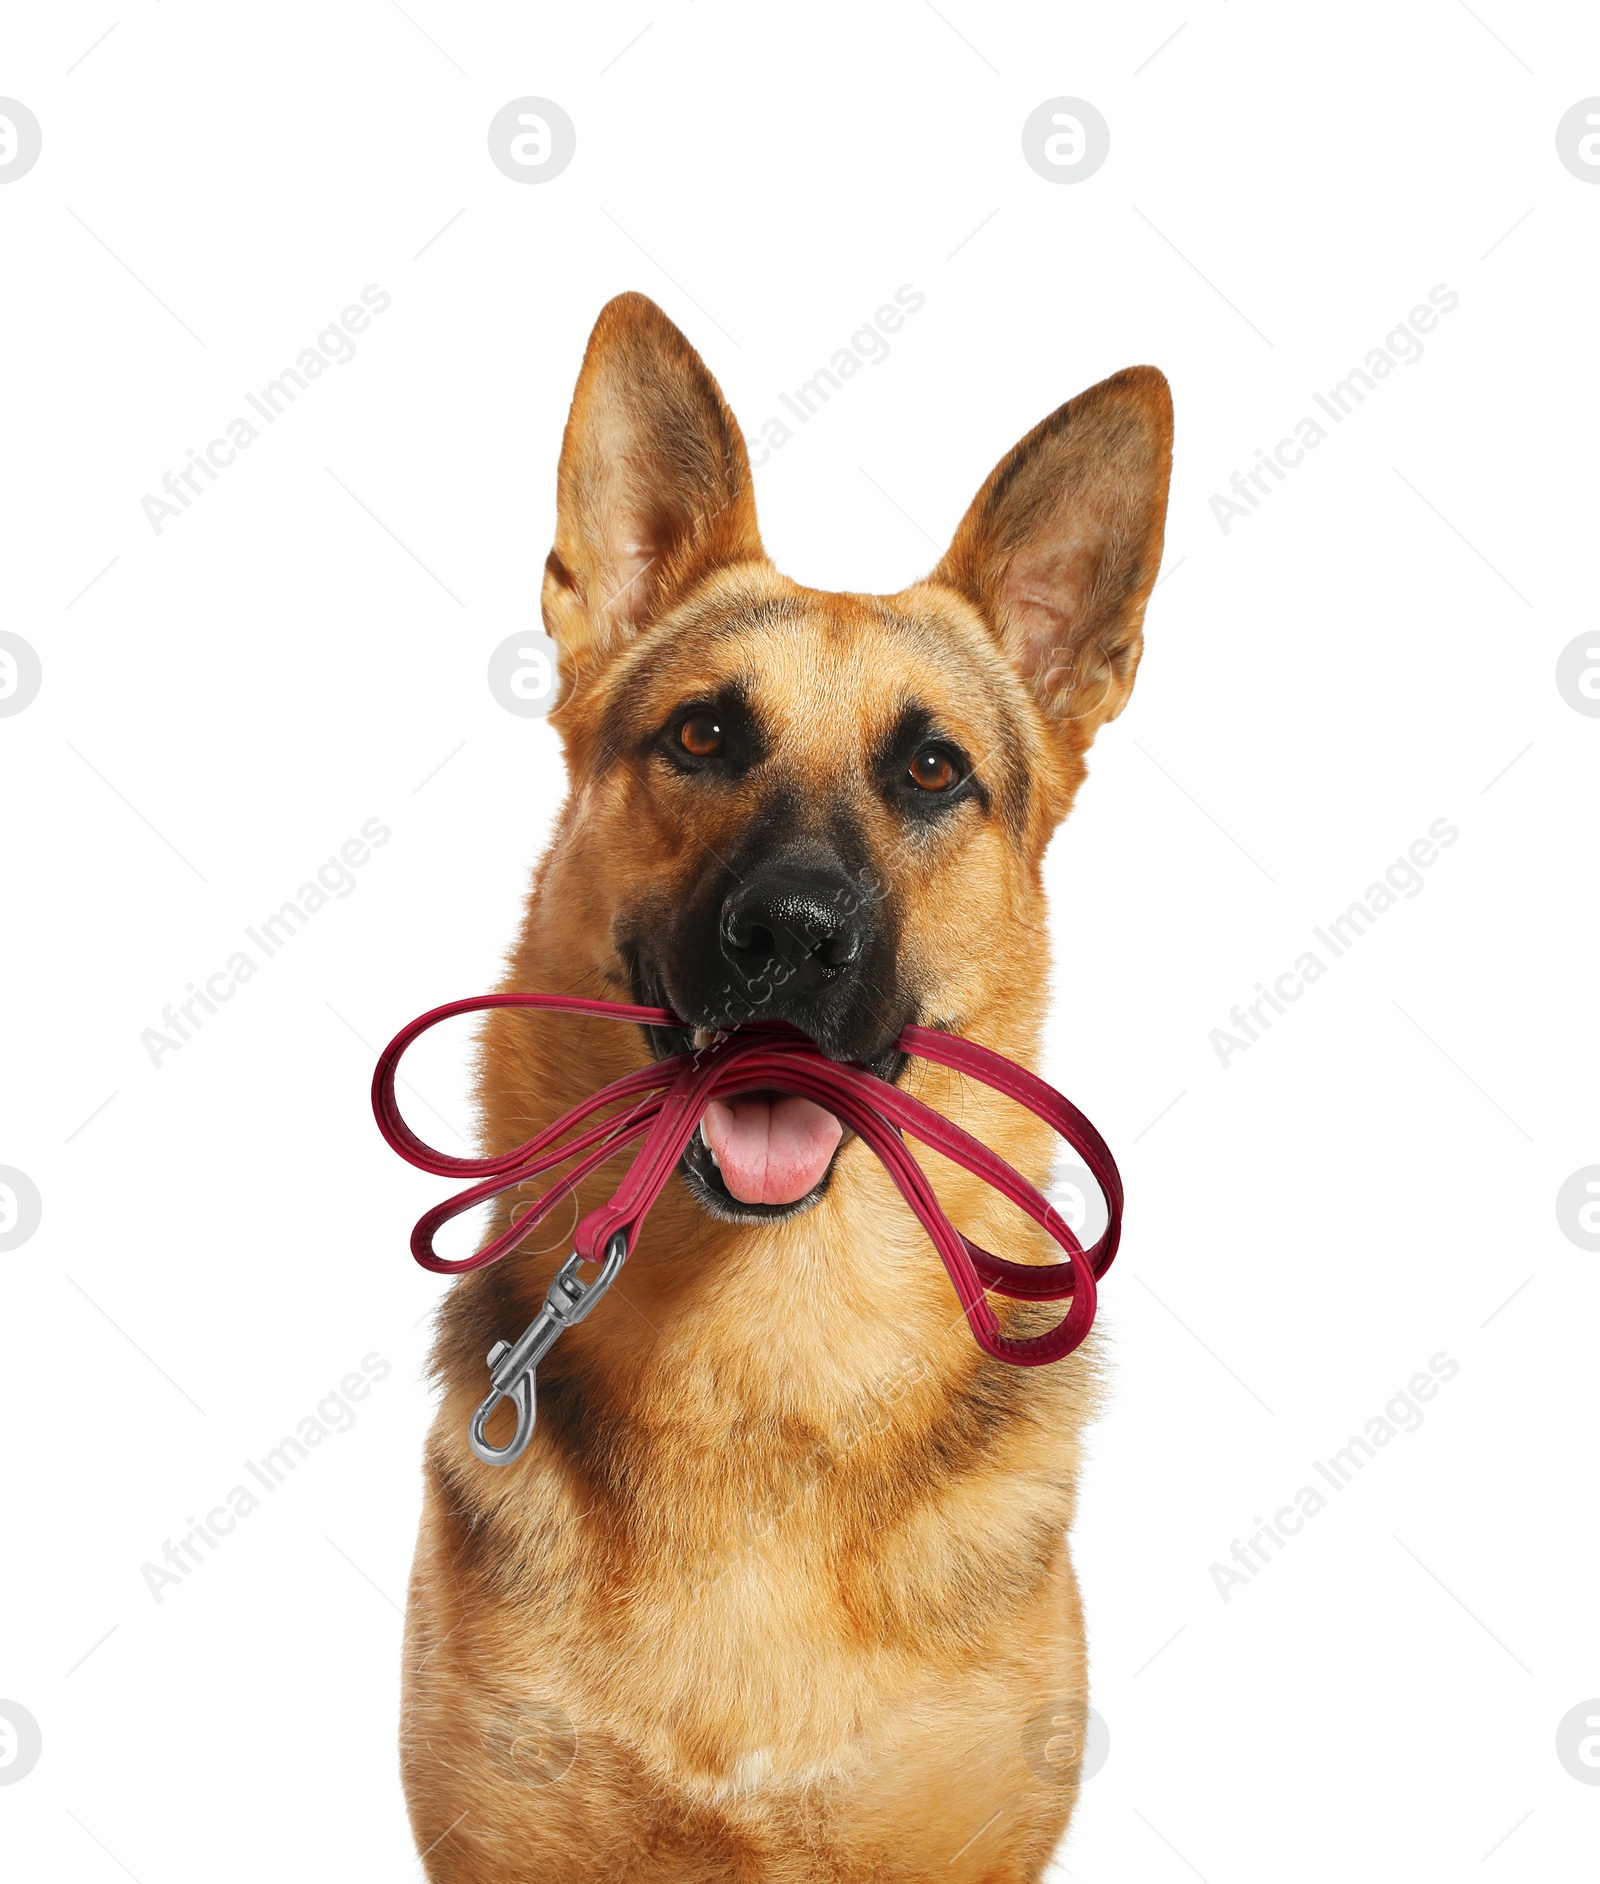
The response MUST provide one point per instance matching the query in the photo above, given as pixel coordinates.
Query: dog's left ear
(654, 486)
(1059, 550)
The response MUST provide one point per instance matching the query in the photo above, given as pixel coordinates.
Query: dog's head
(825, 809)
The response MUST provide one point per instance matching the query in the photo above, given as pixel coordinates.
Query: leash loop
(512, 1364)
(659, 1108)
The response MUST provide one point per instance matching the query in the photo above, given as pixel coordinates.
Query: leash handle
(662, 1103)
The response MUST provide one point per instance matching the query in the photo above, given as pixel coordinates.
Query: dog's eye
(700, 735)
(934, 770)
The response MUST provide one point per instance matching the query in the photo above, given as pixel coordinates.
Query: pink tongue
(770, 1151)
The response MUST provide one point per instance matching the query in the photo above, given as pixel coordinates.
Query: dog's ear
(1059, 550)
(654, 486)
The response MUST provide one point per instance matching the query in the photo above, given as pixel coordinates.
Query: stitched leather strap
(661, 1104)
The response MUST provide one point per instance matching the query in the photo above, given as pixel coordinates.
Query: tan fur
(786, 1551)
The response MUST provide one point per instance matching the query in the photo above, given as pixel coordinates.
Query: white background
(1373, 1182)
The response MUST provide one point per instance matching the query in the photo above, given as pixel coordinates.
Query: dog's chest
(762, 1612)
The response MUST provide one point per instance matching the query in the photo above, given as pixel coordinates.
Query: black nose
(813, 924)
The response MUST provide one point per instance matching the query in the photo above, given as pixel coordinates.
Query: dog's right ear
(654, 486)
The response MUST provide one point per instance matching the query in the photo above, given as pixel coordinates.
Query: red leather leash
(661, 1104)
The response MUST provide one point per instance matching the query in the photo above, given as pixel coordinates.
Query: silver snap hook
(512, 1366)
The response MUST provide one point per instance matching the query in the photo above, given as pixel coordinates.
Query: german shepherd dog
(780, 1589)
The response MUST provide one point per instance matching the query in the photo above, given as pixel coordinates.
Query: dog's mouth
(768, 1152)
(760, 1156)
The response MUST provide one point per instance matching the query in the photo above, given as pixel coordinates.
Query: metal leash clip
(511, 1365)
